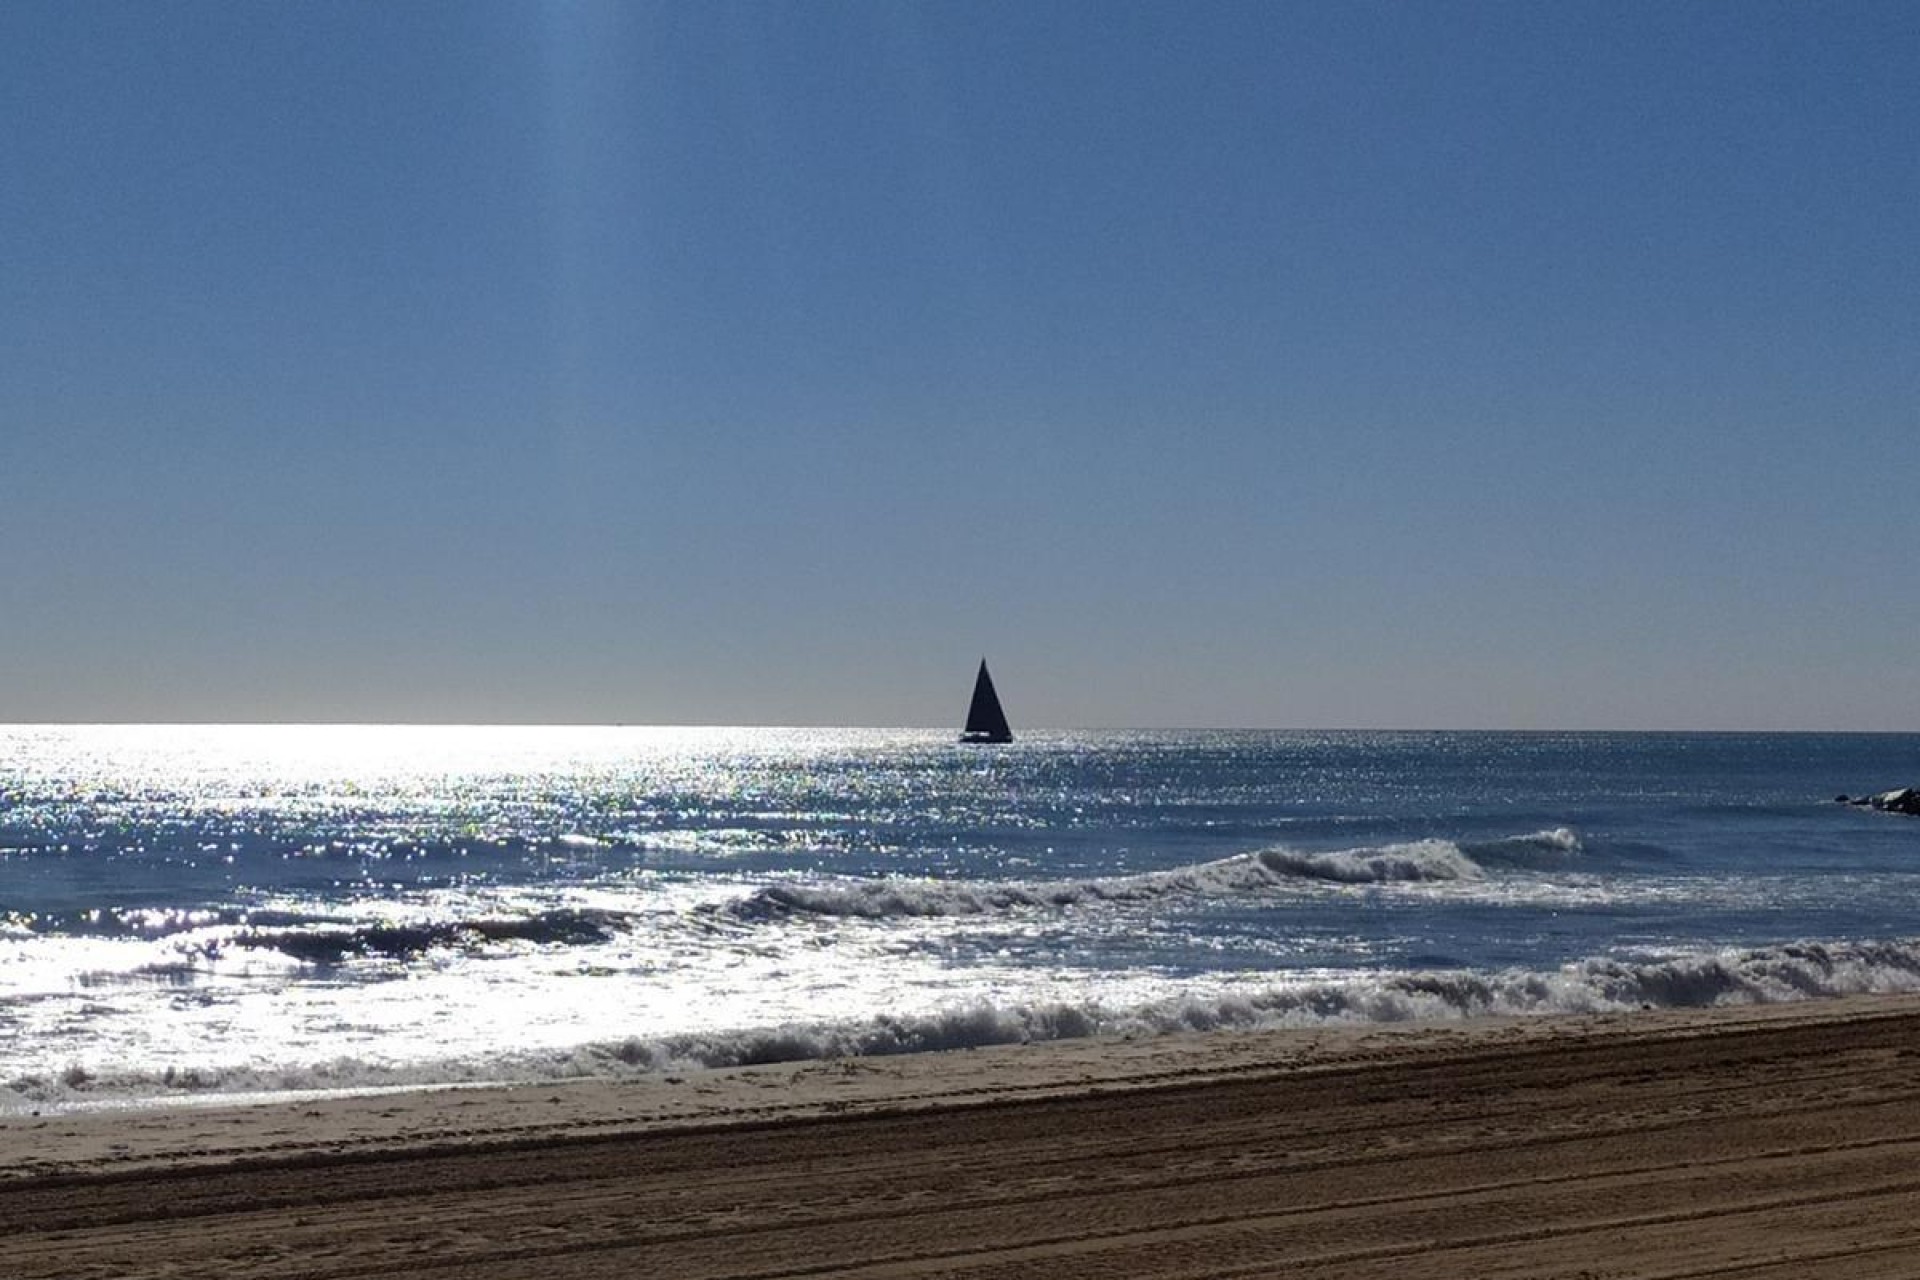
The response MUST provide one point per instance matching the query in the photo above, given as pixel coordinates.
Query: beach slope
(1768, 1142)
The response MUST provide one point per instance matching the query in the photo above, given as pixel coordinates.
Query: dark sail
(986, 722)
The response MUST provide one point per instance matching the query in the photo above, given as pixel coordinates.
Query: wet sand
(1754, 1143)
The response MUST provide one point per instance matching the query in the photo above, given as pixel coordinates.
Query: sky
(1472, 365)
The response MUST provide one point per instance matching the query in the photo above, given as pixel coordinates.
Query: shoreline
(1391, 1141)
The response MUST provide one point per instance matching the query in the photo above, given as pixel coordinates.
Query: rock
(1903, 800)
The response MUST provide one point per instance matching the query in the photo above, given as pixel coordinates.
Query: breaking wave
(1419, 860)
(1798, 971)
(193, 938)
(329, 943)
(1551, 848)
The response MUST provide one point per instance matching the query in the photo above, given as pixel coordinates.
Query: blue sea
(190, 910)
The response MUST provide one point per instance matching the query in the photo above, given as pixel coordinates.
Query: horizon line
(923, 728)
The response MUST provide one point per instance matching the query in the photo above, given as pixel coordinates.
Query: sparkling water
(247, 908)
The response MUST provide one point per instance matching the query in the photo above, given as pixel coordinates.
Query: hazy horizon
(1475, 365)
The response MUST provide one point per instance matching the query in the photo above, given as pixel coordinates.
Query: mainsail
(986, 722)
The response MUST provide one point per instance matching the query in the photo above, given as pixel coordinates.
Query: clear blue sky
(1333, 364)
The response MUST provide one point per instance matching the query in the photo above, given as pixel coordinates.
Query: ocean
(192, 911)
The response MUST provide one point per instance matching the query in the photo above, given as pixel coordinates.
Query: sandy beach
(1776, 1141)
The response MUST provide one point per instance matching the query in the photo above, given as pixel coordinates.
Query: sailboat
(986, 722)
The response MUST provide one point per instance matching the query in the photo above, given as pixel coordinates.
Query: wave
(1791, 972)
(1772, 975)
(192, 935)
(327, 938)
(1419, 860)
(324, 943)
(126, 922)
(1551, 848)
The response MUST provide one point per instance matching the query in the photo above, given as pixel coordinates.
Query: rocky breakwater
(1905, 800)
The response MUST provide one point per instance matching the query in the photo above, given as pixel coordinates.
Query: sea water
(251, 908)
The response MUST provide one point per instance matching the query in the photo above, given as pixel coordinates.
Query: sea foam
(1704, 979)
